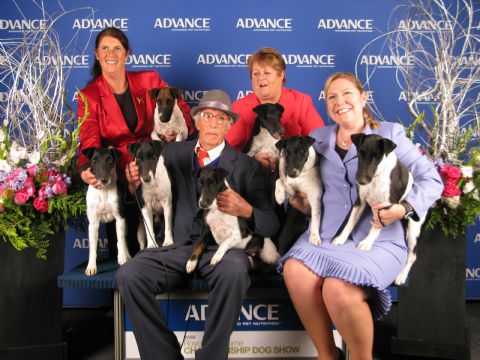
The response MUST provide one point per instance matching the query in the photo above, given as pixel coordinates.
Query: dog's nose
(293, 173)
(103, 181)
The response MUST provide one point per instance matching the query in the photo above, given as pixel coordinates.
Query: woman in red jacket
(120, 111)
(267, 73)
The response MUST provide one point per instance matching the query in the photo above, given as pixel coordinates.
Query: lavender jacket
(340, 191)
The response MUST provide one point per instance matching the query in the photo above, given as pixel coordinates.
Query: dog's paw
(365, 245)
(279, 192)
(191, 265)
(152, 245)
(168, 241)
(339, 240)
(315, 239)
(216, 259)
(91, 270)
(123, 258)
(402, 277)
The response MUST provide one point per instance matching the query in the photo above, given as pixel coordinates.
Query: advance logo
(310, 60)
(149, 60)
(67, 61)
(428, 99)
(473, 274)
(100, 24)
(193, 97)
(13, 26)
(346, 25)
(387, 61)
(223, 60)
(265, 24)
(183, 24)
(424, 25)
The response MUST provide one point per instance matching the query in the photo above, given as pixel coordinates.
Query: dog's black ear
(222, 173)
(279, 108)
(117, 154)
(132, 149)
(176, 92)
(280, 144)
(153, 93)
(357, 139)
(309, 141)
(258, 108)
(388, 146)
(88, 152)
(196, 173)
(158, 146)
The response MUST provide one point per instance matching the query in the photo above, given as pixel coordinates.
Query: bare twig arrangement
(439, 41)
(35, 114)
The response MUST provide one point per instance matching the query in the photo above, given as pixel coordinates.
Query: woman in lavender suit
(342, 284)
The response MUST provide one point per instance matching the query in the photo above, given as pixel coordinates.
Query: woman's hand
(267, 160)
(132, 173)
(232, 203)
(89, 178)
(170, 135)
(386, 216)
(301, 203)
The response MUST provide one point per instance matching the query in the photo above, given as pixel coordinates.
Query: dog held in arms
(167, 116)
(104, 204)
(227, 230)
(381, 178)
(299, 172)
(155, 194)
(267, 130)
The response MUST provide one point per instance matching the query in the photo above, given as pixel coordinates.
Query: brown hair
(113, 32)
(268, 56)
(367, 114)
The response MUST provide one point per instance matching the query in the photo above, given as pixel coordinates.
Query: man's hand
(301, 203)
(132, 173)
(170, 135)
(267, 160)
(232, 203)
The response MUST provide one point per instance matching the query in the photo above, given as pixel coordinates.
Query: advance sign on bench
(268, 326)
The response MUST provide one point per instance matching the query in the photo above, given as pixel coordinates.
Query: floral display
(36, 197)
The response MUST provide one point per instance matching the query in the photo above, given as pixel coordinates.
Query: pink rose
(21, 197)
(32, 169)
(451, 190)
(59, 188)
(40, 204)
(450, 174)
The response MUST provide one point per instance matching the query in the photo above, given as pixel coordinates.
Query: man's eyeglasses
(208, 117)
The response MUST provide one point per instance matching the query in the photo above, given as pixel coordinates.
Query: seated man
(144, 276)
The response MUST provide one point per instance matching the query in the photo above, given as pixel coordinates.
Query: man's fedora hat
(218, 100)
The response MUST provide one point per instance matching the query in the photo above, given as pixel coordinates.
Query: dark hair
(367, 114)
(113, 32)
(270, 57)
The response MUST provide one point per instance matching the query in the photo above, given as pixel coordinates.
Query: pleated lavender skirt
(376, 268)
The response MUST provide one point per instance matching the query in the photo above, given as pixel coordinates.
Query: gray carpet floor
(89, 334)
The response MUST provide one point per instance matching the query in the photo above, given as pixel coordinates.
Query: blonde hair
(367, 114)
(268, 56)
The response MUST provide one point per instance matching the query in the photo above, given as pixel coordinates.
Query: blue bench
(105, 279)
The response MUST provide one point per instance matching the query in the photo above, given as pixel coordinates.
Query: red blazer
(299, 117)
(105, 124)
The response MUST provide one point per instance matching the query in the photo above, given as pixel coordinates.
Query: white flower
(5, 166)
(34, 158)
(452, 201)
(2, 136)
(60, 162)
(17, 153)
(467, 171)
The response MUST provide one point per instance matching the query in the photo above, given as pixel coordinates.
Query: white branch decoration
(32, 72)
(442, 43)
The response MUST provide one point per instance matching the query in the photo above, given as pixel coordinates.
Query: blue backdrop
(200, 45)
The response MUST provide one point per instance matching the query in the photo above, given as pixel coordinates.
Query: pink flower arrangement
(31, 185)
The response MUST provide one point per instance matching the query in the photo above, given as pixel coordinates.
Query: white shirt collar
(213, 154)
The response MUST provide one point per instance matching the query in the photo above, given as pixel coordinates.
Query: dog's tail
(269, 253)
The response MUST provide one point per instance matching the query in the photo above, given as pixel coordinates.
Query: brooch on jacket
(140, 100)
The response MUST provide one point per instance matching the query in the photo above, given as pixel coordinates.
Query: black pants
(155, 271)
(131, 214)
